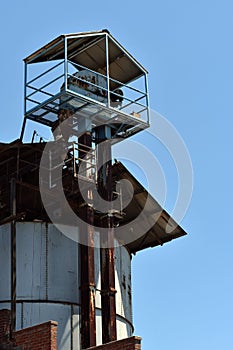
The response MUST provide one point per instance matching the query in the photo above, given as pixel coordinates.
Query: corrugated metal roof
(153, 222)
(155, 218)
(89, 49)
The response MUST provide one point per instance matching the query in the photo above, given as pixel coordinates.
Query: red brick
(132, 343)
(5, 320)
(39, 337)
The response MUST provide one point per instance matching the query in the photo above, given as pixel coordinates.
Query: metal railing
(134, 101)
(63, 78)
(80, 162)
(44, 86)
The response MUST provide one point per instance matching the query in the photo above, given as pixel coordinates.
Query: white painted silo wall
(48, 282)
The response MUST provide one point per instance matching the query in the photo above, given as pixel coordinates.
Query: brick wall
(5, 319)
(44, 337)
(39, 337)
(132, 343)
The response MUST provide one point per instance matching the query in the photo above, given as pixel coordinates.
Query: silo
(92, 93)
(48, 282)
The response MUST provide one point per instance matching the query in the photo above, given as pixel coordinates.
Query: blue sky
(183, 290)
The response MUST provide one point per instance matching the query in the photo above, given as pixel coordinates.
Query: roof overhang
(157, 225)
(89, 49)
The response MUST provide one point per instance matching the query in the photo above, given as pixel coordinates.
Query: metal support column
(13, 255)
(107, 263)
(107, 69)
(147, 98)
(65, 63)
(87, 258)
(108, 290)
(25, 102)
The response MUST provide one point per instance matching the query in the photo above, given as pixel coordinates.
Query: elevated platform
(123, 124)
(87, 76)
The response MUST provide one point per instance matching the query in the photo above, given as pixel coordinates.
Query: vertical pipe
(25, 88)
(50, 169)
(25, 102)
(108, 290)
(13, 255)
(87, 259)
(147, 98)
(107, 68)
(72, 326)
(18, 160)
(22, 315)
(74, 162)
(65, 62)
(107, 263)
(23, 129)
(46, 261)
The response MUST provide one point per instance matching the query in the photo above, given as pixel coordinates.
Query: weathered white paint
(48, 278)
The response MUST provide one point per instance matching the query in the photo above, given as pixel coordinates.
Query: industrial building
(69, 226)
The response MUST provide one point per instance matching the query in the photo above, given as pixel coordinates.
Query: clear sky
(183, 291)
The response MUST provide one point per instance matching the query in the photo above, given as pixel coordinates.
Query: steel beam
(108, 290)
(107, 263)
(13, 254)
(87, 259)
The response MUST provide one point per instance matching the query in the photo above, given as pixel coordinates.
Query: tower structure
(92, 93)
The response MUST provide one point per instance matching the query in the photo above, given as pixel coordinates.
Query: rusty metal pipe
(107, 263)
(87, 263)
